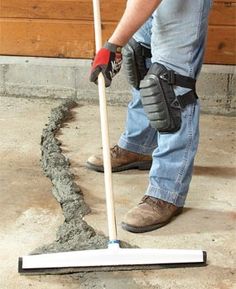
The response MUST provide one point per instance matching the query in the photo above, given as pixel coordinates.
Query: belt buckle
(169, 77)
(176, 103)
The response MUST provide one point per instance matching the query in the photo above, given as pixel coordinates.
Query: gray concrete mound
(74, 233)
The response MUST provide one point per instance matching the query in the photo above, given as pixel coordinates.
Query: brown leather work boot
(149, 214)
(121, 160)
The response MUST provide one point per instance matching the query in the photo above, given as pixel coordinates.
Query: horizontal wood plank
(67, 38)
(221, 45)
(60, 38)
(60, 9)
(223, 13)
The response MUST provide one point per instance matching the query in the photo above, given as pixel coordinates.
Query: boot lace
(115, 151)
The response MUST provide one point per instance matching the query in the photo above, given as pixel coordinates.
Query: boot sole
(137, 165)
(150, 228)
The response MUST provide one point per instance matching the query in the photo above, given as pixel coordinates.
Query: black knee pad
(134, 61)
(162, 106)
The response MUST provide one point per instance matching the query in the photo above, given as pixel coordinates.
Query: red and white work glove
(107, 61)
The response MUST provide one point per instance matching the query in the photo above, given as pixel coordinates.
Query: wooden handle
(105, 131)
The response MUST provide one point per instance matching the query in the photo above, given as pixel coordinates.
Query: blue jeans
(176, 33)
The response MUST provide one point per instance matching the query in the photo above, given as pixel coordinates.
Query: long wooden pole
(105, 131)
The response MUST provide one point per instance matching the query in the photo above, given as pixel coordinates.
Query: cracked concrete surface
(31, 216)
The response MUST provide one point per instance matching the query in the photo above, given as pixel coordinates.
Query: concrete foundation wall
(63, 78)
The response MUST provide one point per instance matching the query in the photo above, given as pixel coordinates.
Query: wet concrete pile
(74, 233)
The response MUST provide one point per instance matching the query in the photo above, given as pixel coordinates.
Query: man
(162, 127)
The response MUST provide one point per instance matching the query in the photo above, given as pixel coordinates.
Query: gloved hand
(108, 61)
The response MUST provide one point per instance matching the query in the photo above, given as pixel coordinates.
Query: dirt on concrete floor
(31, 216)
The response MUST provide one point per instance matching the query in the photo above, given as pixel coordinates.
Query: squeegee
(114, 257)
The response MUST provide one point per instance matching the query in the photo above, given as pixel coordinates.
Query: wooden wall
(221, 44)
(64, 28)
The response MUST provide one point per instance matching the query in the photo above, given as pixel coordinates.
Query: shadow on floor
(194, 221)
(216, 171)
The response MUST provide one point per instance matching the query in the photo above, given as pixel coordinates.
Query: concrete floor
(30, 215)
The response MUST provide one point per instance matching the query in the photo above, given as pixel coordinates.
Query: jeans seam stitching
(197, 37)
(182, 169)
